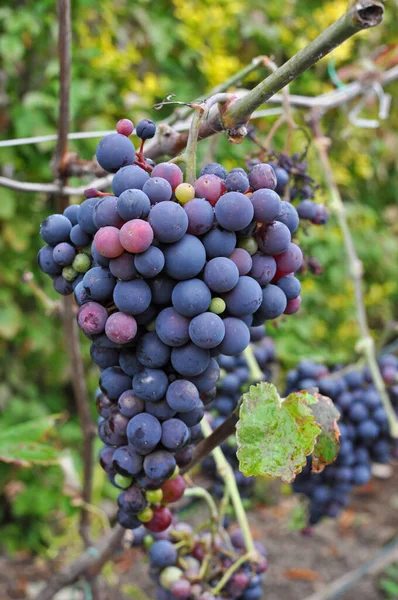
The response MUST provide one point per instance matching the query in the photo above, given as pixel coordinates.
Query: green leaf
(328, 443)
(24, 444)
(274, 437)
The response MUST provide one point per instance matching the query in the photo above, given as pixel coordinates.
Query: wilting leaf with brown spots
(328, 442)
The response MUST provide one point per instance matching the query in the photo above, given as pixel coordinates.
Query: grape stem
(228, 574)
(52, 307)
(201, 111)
(227, 475)
(366, 343)
(256, 373)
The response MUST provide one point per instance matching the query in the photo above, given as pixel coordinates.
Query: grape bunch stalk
(167, 276)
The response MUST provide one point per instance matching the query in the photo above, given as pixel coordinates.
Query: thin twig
(87, 565)
(366, 344)
(70, 326)
(52, 307)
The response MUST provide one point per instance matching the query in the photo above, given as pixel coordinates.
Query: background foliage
(126, 57)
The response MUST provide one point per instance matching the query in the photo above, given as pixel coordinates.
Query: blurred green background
(126, 57)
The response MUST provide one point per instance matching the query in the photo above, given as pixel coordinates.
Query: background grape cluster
(363, 427)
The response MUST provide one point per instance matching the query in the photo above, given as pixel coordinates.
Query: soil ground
(299, 565)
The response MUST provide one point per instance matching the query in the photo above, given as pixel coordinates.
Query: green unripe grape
(154, 496)
(148, 542)
(87, 250)
(170, 575)
(184, 193)
(231, 441)
(151, 326)
(176, 472)
(122, 481)
(249, 244)
(217, 306)
(146, 515)
(69, 273)
(81, 263)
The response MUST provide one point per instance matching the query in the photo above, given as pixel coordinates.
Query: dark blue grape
(129, 404)
(132, 500)
(99, 283)
(129, 363)
(263, 268)
(71, 213)
(219, 242)
(307, 210)
(46, 262)
(221, 274)
(105, 213)
(157, 189)
(175, 434)
(123, 267)
(288, 215)
(98, 259)
(115, 151)
(207, 330)
(81, 295)
(266, 204)
(85, 217)
(162, 554)
(206, 381)
(152, 352)
(358, 412)
(151, 262)
(262, 176)
(274, 238)
(161, 410)
(237, 181)
(127, 520)
(127, 461)
(245, 298)
(113, 382)
(55, 229)
(64, 254)
(145, 129)
(368, 431)
(213, 169)
(182, 396)
(234, 211)
(126, 183)
(200, 216)
(169, 222)
(193, 417)
(191, 297)
(282, 179)
(237, 337)
(104, 357)
(144, 432)
(361, 474)
(172, 328)
(132, 297)
(190, 360)
(150, 384)
(290, 286)
(62, 286)
(185, 258)
(274, 302)
(159, 465)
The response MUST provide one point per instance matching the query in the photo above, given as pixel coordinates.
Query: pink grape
(125, 127)
(181, 589)
(210, 187)
(107, 242)
(290, 260)
(92, 317)
(292, 306)
(136, 236)
(170, 172)
(120, 328)
(242, 259)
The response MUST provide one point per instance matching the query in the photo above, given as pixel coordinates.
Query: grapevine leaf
(24, 444)
(274, 437)
(328, 443)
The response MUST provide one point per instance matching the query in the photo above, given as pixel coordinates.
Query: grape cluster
(167, 276)
(363, 427)
(235, 379)
(176, 557)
